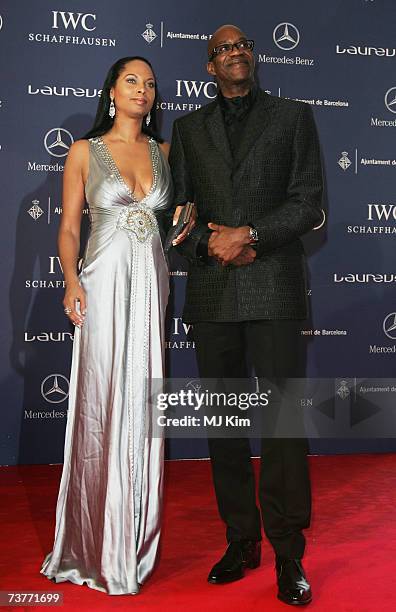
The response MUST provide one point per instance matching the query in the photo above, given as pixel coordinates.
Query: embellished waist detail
(139, 220)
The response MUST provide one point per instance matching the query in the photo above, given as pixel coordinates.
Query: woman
(108, 510)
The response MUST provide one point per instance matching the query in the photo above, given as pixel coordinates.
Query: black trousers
(276, 351)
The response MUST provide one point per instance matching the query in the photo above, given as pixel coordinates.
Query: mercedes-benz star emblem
(55, 388)
(286, 36)
(390, 99)
(59, 143)
(389, 325)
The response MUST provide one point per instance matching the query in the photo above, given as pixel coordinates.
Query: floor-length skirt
(109, 505)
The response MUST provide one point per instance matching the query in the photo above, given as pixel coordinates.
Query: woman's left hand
(187, 229)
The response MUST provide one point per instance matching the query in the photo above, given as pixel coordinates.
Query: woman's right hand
(187, 229)
(75, 303)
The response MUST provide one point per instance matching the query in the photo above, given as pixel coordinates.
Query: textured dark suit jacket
(274, 182)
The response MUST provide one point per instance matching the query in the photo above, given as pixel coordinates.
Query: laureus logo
(286, 36)
(149, 35)
(58, 141)
(390, 99)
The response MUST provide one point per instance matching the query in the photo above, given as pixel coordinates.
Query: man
(251, 164)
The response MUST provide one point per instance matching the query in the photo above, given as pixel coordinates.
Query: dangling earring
(148, 118)
(112, 110)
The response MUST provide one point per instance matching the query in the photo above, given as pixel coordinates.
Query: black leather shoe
(293, 587)
(237, 557)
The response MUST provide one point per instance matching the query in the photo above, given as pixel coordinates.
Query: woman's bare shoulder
(78, 154)
(80, 148)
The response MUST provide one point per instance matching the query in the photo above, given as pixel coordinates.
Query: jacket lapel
(215, 126)
(258, 120)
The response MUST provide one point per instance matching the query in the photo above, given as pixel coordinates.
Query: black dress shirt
(235, 111)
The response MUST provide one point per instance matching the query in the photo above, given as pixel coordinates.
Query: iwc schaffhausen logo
(286, 36)
(58, 141)
(55, 388)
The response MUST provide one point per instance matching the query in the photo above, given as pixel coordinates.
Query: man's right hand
(247, 257)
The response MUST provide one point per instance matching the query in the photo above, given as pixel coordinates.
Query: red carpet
(350, 557)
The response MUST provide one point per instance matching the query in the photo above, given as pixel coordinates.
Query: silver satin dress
(109, 504)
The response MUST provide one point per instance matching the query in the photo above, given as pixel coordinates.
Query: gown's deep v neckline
(115, 170)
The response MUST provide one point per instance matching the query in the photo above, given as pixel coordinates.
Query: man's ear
(210, 68)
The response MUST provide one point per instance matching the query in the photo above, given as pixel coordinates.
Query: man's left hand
(246, 258)
(227, 243)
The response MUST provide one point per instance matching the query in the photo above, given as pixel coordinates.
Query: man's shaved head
(222, 34)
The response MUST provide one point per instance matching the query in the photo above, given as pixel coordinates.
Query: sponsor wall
(338, 57)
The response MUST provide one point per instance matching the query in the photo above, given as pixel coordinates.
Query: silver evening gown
(109, 503)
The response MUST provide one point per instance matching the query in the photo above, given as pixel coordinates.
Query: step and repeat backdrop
(337, 56)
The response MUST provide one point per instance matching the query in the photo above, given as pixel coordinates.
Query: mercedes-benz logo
(1, 22)
(55, 388)
(286, 36)
(389, 325)
(59, 143)
(390, 99)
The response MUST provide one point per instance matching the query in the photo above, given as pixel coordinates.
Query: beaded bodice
(109, 194)
(104, 151)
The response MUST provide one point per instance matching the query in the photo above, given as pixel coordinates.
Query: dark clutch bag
(177, 229)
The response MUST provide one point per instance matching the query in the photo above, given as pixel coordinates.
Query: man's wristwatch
(253, 235)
